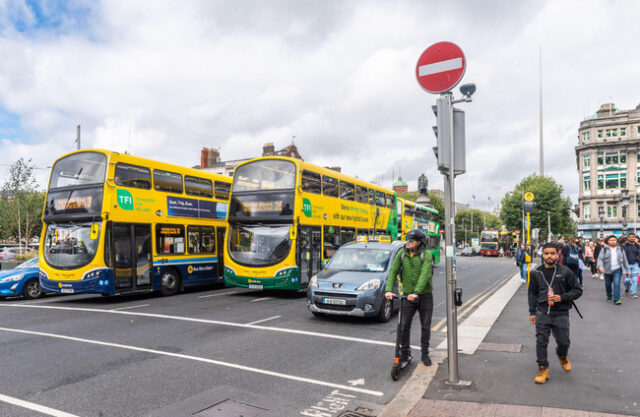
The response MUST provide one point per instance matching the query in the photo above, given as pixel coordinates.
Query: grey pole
(548, 226)
(78, 137)
(541, 137)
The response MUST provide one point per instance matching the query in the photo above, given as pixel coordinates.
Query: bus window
(347, 235)
(223, 190)
(380, 199)
(346, 191)
(79, 169)
(362, 232)
(390, 201)
(361, 194)
(133, 176)
(408, 210)
(311, 182)
(331, 240)
(201, 239)
(169, 182)
(329, 186)
(372, 199)
(170, 239)
(268, 174)
(198, 187)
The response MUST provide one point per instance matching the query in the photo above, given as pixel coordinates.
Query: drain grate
(231, 408)
(358, 412)
(500, 347)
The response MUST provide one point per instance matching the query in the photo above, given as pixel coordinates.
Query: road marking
(199, 359)
(127, 308)
(215, 295)
(263, 320)
(206, 321)
(35, 407)
(261, 299)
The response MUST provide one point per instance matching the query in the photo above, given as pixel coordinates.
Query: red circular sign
(440, 67)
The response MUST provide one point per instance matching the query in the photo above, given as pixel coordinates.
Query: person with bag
(521, 256)
(632, 250)
(612, 261)
(571, 254)
(553, 289)
(415, 266)
(596, 252)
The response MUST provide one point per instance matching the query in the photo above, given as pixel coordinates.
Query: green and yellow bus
(116, 223)
(287, 216)
(412, 215)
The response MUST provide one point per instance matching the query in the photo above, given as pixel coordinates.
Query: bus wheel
(386, 311)
(169, 283)
(32, 289)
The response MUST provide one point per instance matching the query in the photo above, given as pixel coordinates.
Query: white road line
(215, 295)
(35, 407)
(263, 320)
(216, 322)
(200, 359)
(128, 308)
(261, 299)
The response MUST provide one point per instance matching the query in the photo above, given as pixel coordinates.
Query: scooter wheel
(395, 373)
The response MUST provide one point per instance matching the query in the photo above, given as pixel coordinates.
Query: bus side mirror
(292, 232)
(95, 230)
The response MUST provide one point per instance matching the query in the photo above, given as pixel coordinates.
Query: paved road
(142, 355)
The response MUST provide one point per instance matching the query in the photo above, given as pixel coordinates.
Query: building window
(586, 210)
(587, 182)
(623, 157)
(586, 161)
(612, 133)
(585, 137)
(623, 131)
(614, 181)
(600, 132)
(600, 182)
(612, 210)
(638, 178)
(611, 158)
(601, 158)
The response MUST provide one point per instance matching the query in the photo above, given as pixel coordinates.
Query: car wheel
(386, 311)
(32, 289)
(169, 283)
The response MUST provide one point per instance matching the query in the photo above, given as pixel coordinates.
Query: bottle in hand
(549, 297)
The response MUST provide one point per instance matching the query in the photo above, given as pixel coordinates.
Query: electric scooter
(397, 367)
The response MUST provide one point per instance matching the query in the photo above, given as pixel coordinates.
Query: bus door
(220, 232)
(309, 245)
(132, 256)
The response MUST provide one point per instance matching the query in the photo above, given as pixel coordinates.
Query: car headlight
(313, 282)
(12, 278)
(372, 284)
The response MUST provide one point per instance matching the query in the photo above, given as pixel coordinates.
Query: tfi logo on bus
(125, 199)
(306, 207)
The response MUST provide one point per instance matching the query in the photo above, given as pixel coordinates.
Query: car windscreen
(360, 259)
(31, 263)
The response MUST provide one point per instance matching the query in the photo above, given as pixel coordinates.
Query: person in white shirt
(612, 261)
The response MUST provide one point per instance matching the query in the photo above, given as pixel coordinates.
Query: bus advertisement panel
(116, 223)
(287, 216)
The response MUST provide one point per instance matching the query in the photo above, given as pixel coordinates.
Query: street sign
(517, 232)
(440, 67)
(528, 196)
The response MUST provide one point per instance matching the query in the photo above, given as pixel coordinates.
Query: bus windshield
(266, 174)
(71, 245)
(79, 169)
(258, 245)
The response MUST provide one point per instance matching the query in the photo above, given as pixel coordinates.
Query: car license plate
(256, 286)
(337, 301)
(66, 290)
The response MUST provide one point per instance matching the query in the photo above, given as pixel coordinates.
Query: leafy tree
(480, 219)
(548, 198)
(21, 207)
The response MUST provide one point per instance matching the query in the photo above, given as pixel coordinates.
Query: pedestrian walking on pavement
(596, 252)
(414, 265)
(588, 255)
(632, 251)
(521, 256)
(612, 262)
(552, 290)
(572, 257)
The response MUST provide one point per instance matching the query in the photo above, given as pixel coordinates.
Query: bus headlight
(372, 284)
(313, 282)
(12, 278)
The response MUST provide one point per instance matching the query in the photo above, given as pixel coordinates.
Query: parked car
(9, 254)
(468, 251)
(22, 280)
(353, 282)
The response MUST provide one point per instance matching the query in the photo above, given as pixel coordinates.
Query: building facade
(608, 162)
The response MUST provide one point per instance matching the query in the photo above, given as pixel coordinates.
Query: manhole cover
(358, 412)
(500, 347)
(230, 408)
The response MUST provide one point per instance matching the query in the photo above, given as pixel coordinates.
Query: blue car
(22, 280)
(353, 282)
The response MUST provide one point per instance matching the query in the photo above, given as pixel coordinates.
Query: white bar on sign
(441, 66)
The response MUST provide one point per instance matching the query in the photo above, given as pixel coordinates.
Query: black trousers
(546, 324)
(424, 305)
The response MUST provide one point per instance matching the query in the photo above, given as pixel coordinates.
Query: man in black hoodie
(552, 288)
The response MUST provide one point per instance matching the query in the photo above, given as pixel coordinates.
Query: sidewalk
(605, 350)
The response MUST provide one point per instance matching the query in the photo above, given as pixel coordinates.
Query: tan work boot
(564, 362)
(543, 375)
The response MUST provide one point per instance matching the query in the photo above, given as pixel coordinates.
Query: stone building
(608, 162)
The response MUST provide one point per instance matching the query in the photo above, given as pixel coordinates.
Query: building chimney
(214, 156)
(268, 149)
(204, 158)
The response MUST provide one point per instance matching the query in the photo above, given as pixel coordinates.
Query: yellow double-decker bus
(412, 215)
(286, 216)
(115, 223)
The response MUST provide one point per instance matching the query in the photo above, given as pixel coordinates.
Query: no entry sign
(440, 67)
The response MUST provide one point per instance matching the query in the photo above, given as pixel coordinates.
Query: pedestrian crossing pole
(527, 206)
(528, 258)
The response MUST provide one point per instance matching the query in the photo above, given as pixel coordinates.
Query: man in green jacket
(415, 262)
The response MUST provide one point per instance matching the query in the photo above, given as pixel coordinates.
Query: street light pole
(548, 226)
(601, 215)
(624, 197)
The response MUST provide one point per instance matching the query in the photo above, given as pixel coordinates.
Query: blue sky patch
(52, 17)
(9, 125)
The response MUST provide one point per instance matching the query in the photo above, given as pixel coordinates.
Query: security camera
(467, 90)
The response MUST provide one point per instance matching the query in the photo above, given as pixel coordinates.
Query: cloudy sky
(165, 78)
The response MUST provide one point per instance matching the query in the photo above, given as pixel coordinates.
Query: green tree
(548, 198)
(480, 219)
(21, 209)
